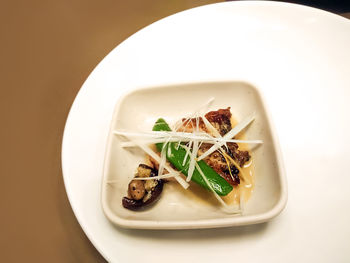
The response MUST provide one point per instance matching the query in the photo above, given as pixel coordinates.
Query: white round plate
(299, 59)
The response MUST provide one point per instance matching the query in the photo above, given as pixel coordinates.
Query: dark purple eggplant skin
(137, 205)
(132, 204)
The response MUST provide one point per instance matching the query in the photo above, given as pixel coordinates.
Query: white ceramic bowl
(139, 109)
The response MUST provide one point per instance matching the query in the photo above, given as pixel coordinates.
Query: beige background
(48, 48)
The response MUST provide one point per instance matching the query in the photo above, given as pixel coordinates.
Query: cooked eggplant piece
(137, 189)
(146, 171)
(143, 193)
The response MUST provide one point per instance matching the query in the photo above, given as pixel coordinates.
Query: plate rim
(202, 223)
(73, 107)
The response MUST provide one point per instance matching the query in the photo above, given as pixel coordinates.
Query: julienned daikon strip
(181, 135)
(206, 140)
(204, 107)
(239, 127)
(228, 165)
(156, 134)
(193, 160)
(163, 176)
(162, 161)
(211, 128)
(163, 134)
(244, 177)
(237, 211)
(193, 155)
(187, 152)
(151, 153)
(163, 155)
(179, 126)
(184, 124)
(207, 104)
(185, 136)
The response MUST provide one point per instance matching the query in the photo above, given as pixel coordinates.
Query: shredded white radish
(200, 144)
(158, 134)
(193, 160)
(178, 126)
(207, 140)
(169, 151)
(209, 185)
(248, 164)
(162, 160)
(226, 207)
(242, 174)
(205, 106)
(163, 176)
(163, 156)
(202, 108)
(193, 153)
(239, 127)
(185, 123)
(151, 153)
(185, 137)
(187, 152)
(210, 127)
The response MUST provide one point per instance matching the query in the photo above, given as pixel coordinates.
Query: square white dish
(139, 109)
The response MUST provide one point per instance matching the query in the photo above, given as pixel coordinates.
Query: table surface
(48, 50)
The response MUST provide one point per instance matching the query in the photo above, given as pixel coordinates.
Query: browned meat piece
(221, 120)
(232, 146)
(217, 161)
(189, 125)
(241, 156)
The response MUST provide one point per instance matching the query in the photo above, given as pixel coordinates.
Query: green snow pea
(176, 155)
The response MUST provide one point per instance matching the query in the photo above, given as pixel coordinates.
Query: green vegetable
(176, 156)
